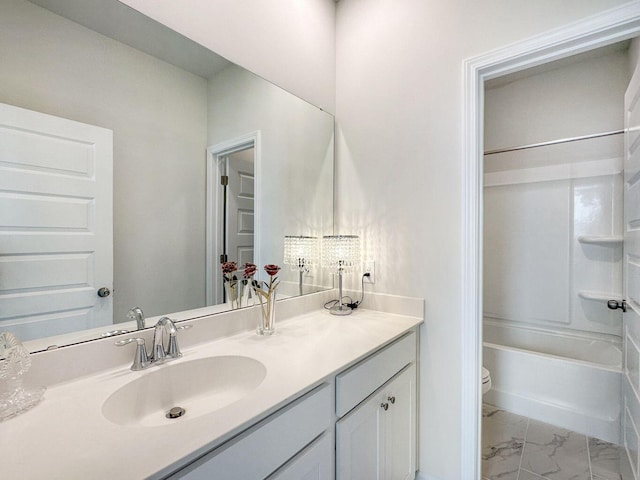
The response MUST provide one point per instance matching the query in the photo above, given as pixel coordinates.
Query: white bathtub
(567, 380)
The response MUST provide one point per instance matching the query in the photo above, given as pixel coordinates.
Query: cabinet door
(377, 440)
(400, 427)
(358, 447)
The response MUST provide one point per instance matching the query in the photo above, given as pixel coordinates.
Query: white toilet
(486, 380)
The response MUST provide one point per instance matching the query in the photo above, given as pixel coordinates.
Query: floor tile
(605, 459)
(503, 462)
(555, 453)
(502, 441)
(625, 467)
(517, 448)
(524, 475)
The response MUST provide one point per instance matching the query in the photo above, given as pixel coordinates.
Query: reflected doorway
(237, 220)
(232, 209)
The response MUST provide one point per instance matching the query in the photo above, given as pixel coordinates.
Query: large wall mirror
(131, 160)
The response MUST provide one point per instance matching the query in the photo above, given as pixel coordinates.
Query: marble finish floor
(519, 448)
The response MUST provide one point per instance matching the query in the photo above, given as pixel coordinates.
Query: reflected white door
(240, 211)
(56, 227)
(631, 270)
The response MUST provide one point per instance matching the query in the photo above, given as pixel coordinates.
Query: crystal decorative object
(14, 363)
(340, 253)
(300, 252)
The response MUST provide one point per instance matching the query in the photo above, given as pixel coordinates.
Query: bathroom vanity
(282, 404)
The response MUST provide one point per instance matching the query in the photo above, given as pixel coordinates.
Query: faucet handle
(173, 351)
(141, 359)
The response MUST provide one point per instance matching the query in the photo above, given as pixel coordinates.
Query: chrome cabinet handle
(392, 400)
(385, 406)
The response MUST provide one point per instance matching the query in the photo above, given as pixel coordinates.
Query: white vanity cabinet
(322, 374)
(274, 443)
(375, 428)
(377, 438)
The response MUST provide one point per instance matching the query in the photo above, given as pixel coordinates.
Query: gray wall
(297, 159)
(158, 114)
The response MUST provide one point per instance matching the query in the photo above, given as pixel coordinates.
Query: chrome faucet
(160, 353)
(136, 314)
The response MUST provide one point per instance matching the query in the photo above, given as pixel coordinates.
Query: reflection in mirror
(301, 253)
(114, 146)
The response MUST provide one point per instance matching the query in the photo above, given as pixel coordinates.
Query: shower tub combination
(565, 379)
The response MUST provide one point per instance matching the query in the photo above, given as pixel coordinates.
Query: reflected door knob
(104, 292)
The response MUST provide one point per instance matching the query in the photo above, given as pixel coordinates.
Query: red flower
(250, 270)
(271, 269)
(229, 267)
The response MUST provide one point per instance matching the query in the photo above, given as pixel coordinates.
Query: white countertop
(67, 437)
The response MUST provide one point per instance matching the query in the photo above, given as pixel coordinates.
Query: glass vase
(232, 291)
(266, 312)
(246, 295)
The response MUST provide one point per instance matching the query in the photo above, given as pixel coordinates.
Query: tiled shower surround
(519, 448)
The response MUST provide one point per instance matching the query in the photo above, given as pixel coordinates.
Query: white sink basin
(198, 386)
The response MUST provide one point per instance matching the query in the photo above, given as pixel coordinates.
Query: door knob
(385, 406)
(104, 292)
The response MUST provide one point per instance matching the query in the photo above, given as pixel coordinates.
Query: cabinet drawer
(258, 452)
(314, 463)
(364, 378)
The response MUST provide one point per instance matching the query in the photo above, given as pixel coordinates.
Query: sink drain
(176, 412)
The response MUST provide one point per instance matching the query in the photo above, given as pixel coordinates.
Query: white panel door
(240, 228)
(56, 227)
(631, 270)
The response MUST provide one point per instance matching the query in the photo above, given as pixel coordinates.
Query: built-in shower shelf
(599, 296)
(601, 239)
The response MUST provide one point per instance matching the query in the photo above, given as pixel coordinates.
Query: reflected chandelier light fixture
(300, 253)
(340, 254)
